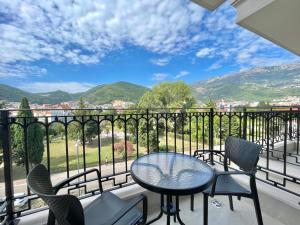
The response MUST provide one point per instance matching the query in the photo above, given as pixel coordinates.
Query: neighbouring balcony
(75, 140)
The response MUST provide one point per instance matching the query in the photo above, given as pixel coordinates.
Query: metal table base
(169, 208)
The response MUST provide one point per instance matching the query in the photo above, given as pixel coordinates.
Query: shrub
(120, 148)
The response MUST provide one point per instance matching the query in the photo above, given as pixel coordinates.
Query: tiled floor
(243, 214)
(274, 212)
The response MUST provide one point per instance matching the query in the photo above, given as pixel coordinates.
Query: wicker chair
(245, 155)
(107, 209)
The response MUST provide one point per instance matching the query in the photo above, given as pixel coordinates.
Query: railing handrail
(265, 127)
(159, 108)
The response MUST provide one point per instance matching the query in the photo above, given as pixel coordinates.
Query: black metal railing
(74, 140)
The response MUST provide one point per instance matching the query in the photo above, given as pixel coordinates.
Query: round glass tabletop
(171, 173)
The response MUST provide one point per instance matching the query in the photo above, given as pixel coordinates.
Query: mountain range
(100, 94)
(257, 84)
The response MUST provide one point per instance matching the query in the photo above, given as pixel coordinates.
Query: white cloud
(214, 66)
(71, 87)
(182, 73)
(228, 43)
(84, 31)
(160, 61)
(159, 76)
(20, 70)
(205, 52)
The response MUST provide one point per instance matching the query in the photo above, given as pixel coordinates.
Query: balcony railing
(74, 140)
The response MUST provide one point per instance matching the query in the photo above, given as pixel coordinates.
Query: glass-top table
(171, 174)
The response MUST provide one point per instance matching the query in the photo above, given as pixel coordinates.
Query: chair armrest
(205, 151)
(61, 184)
(134, 202)
(235, 172)
(228, 173)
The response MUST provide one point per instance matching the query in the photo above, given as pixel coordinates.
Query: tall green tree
(56, 130)
(90, 128)
(211, 104)
(263, 104)
(34, 138)
(168, 95)
(164, 95)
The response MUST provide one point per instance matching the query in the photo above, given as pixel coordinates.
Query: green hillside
(116, 91)
(258, 84)
(9, 93)
(53, 97)
(97, 95)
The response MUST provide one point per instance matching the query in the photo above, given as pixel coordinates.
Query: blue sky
(73, 45)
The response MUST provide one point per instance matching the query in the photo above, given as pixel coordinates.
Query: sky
(73, 45)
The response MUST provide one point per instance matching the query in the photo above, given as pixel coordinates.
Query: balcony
(76, 140)
(261, 17)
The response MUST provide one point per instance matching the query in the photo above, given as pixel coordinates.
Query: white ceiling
(209, 4)
(275, 20)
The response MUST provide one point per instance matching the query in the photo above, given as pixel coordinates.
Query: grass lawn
(58, 156)
(58, 153)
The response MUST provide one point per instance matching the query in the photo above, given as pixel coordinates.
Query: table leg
(174, 217)
(169, 205)
(161, 211)
(170, 209)
(178, 210)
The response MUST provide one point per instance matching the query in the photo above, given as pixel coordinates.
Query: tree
(90, 128)
(2, 104)
(211, 104)
(168, 95)
(203, 124)
(152, 135)
(35, 136)
(230, 124)
(263, 104)
(106, 125)
(165, 95)
(56, 130)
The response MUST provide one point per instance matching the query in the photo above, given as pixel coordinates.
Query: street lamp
(77, 154)
(77, 158)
